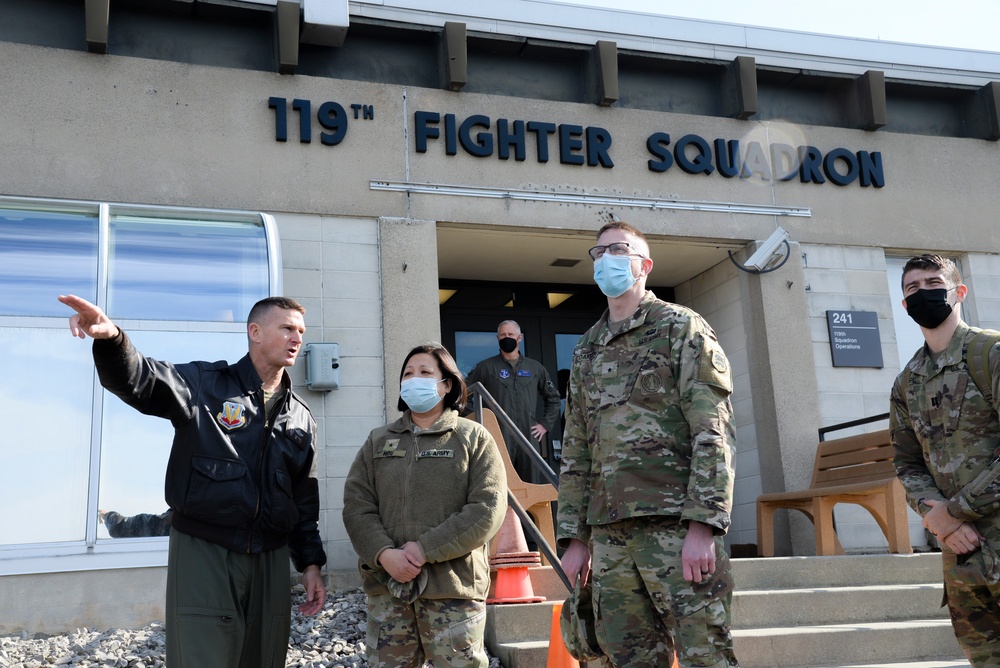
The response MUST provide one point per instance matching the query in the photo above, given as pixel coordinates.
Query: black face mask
(508, 344)
(929, 308)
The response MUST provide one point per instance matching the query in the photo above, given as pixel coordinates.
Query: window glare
(44, 461)
(44, 254)
(186, 272)
(134, 446)
(168, 269)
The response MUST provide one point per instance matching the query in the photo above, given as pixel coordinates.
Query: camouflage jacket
(945, 435)
(649, 428)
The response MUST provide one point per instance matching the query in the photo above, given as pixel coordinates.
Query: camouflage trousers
(645, 608)
(974, 605)
(445, 632)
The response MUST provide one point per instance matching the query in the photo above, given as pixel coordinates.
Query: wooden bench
(854, 469)
(536, 499)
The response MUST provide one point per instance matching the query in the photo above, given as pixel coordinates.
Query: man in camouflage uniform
(946, 437)
(647, 479)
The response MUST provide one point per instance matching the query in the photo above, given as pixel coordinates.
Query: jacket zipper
(264, 440)
(409, 469)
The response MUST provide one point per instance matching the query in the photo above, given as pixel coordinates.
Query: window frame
(101, 554)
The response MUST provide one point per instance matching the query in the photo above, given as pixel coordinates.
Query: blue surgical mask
(420, 394)
(613, 274)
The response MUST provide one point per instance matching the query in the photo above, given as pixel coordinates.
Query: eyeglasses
(617, 248)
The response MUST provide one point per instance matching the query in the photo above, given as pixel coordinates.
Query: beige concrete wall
(409, 295)
(100, 599)
(853, 278)
(785, 405)
(58, 602)
(77, 125)
(332, 265)
(715, 294)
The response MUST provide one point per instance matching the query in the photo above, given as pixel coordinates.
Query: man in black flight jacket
(241, 481)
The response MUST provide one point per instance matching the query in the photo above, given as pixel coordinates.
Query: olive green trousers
(226, 609)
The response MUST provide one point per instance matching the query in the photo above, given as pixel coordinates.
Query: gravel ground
(334, 638)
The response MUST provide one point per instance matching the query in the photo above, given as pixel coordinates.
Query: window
(181, 282)
(43, 253)
(170, 268)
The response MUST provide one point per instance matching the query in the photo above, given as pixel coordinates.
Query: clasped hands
(959, 536)
(403, 563)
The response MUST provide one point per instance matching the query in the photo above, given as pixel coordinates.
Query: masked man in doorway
(646, 487)
(241, 482)
(946, 434)
(518, 383)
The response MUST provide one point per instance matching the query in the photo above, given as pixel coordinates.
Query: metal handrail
(481, 394)
(543, 544)
(823, 431)
(520, 440)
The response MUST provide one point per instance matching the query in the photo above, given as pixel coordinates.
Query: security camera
(763, 255)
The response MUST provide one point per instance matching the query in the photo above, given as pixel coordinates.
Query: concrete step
(957, 663)
(871, 611)
(846, 644)
(842, 571)
(522, 654)
(518, 621)
(836, 605)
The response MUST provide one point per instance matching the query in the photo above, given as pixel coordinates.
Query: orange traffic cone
(509, 566)
(510, 538)
(559, 656)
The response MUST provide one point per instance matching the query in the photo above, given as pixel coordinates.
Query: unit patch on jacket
(232, 416)
(504, 373)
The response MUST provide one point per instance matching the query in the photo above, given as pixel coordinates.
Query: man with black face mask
(518, 383)
(946, 435)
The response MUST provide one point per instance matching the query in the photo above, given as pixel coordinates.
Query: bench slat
(870, 456)
(848, 475)
(869, 440)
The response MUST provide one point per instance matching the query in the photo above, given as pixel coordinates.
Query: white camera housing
(763, 255)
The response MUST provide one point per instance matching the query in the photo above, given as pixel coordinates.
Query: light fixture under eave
(564, 262)
(557, 298)
(445, 295)
(509, 304)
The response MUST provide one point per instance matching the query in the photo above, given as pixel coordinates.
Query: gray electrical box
(322, 366)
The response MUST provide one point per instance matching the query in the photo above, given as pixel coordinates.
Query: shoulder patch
(719, 361)
(714, 368)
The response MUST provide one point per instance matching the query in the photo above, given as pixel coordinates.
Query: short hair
(458, 395)
(935, 262)
(265, 305)
(508, 322)
(624, 227)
